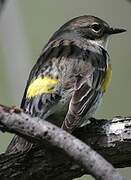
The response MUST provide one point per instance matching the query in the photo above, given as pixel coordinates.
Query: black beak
(114, 30)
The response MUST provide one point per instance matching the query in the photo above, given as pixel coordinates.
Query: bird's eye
(96, 27)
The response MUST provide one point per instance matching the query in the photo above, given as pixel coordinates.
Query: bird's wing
(88, 88)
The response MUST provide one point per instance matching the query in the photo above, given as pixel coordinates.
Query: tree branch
(47, 161)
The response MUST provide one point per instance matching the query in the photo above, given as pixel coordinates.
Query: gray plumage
(75, 55)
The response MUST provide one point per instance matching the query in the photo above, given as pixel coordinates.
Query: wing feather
(87, 92)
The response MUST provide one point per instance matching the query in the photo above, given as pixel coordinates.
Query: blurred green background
(25, 27)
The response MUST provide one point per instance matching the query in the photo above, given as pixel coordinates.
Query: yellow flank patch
(41, 85)
(107, 79)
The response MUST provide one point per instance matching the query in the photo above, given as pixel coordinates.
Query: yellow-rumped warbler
(70, 77)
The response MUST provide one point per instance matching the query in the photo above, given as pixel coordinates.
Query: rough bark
(110, 138)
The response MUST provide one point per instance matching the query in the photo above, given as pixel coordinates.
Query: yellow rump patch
(107, 79)
(41, 85)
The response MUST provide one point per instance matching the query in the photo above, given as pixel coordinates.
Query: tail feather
(18, 144)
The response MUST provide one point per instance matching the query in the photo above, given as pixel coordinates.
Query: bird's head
(88, 27)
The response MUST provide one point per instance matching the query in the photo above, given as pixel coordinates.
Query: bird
(70, 77)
